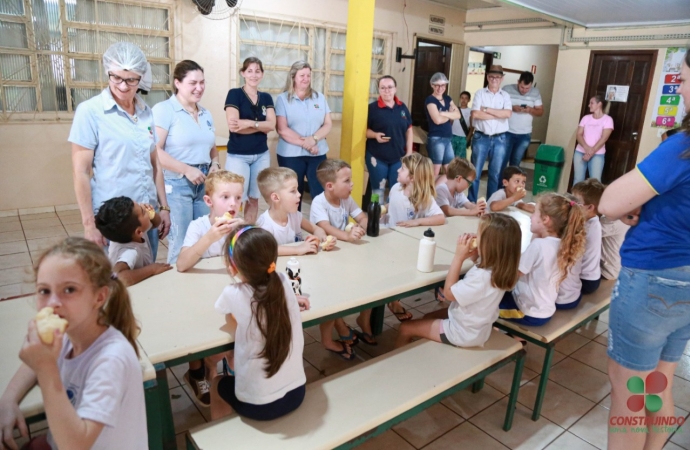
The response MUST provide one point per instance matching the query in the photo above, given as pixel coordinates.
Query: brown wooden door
(633, 69)
(431, 57)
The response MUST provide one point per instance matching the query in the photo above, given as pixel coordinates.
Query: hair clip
(113, 276)
(572, 203)
(271, 268)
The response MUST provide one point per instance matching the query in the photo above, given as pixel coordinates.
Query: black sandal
(364, 337)
(404, 313)
(347, 356)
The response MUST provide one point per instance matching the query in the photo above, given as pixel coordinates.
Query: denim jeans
(440, 150)
(492, 148)
(595, 166)
(459, 144)
(186, 202)
(304, 165)
(516, 148)
(249, 167)
(381, 171)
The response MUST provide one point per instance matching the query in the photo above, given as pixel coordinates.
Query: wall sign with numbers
(669, 111)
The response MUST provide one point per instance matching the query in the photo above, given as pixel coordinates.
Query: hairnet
(125, 56)
(439, 78)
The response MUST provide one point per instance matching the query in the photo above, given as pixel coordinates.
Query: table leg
(546, 368)
(514, 390)
(477, 386)
(165, 409)
(153, 422)
(376, 319)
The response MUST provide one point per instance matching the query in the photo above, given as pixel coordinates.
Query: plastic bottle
(427, 251)
(374, 216)
(293, 272)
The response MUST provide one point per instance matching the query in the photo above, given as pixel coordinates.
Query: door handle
(634, 135)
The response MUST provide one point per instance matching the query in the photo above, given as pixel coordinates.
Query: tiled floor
(574, 413)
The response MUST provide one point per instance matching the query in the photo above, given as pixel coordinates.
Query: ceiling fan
(217, 9)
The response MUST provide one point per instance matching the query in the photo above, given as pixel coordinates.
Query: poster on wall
(669, 110)
(617, 93)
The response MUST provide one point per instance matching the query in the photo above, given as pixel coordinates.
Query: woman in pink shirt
(592, 134)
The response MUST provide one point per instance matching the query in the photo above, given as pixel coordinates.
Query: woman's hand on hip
(194, 175)
(92, 234)
(164, 227)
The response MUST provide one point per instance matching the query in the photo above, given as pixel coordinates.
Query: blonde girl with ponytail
(90, 376)
(558, 227)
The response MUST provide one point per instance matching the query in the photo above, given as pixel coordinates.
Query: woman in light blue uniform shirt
(186, 149)
(113, 136)
(303, 122)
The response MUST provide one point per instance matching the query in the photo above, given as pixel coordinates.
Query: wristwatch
(165, 208)
(256, 124)
(484, 108)
(316, 139)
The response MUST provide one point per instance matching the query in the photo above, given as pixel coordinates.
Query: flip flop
(438, 293)
(364, 337)
(344, 353)
(402, 313)
(352, 336)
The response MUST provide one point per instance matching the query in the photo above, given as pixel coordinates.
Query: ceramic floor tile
(47, 215)
(386, 343)
(307, 338)
(69, 220)
(428, 425)
(468, 404)
(671, 446)
(9, 248)
(9, 219)
(57, 231)
(185, 414)
(419, 299)
(683, 369)
(311, 372)
(15, 260)
(172, 379)
(62, 209)
(594, 355)
(581, 379)
(10, 226)
(681, 393)
(178, 372)
(525, 433)
(502, 379)
(571, 343)
(568, 441)
(432, 306)
(13, 290)
(603, 338)
(11, 236)
(592, 329)
(388, 440)
(535, 357)
(16, 275)
(38, 245)
(681, 437)
(74, 227)
(9, 213)
(593, 427)
(561, 406)
(606, 402)
(39, 210)
(465, 436)
(314, 333)
(205, 411)
(393, 321)
(604, 317)
(329, 363)
(41, 223)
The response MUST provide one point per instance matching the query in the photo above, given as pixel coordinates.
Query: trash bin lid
(550, 153)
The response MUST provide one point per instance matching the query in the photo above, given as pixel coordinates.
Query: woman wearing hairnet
(114, 137)
(440, 114)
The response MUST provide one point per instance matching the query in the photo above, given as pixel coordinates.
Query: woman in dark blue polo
(389, 134)
(440, 114)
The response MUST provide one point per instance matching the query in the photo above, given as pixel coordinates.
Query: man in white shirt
(527, 105)
(491, 110)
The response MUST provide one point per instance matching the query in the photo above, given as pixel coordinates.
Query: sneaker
(200, 388)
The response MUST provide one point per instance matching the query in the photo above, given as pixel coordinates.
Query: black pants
(270, 411)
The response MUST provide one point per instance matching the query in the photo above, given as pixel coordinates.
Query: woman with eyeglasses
(113, 137)
(440, 114)
(389, 134)
(251, 116)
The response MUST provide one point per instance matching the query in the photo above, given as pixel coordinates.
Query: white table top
(176, 310)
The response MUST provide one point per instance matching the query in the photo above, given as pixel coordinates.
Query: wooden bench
(354, 405)
(561, 325)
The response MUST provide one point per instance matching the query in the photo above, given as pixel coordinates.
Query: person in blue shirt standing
(440, 114)
(251, 116)
(303, 122)
(389, 134)
(186, 150)
(649, 321)
(113, 136)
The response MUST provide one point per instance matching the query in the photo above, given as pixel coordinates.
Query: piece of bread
(225, 217)
(327, 242)
(520, 188)
(473, 243)
(152, 213)
(47, 323)
(349, 227)
(384, 210)
(481, 200)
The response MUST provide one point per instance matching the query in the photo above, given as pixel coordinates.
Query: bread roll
(225, 217)
(327, 242)
(481, 200)
(152, 214)
(384, 210)
(349, 227)
(47, 323)
(473, 243)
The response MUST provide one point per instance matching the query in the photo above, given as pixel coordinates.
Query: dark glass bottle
(374, 216)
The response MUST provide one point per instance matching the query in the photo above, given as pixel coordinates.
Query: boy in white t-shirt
(514, 180)
(451, 187)
(612, 237)
(124, 223)
(588, 194)
(278, 186)
(331, 210)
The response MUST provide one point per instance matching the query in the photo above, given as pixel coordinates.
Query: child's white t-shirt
(251, 384)
(591, 269)
(196, 230)
(337, 216)
(536, 291)
(498, 196)
(401, 209)
(135, 254)
(571, 287)
(288, 234)
(612, 237)
(104, 384)
(475, 309)
(443, 197)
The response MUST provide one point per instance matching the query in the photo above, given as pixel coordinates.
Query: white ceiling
(466, 4)
(610, 13)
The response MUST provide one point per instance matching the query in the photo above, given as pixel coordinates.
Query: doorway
(431, 57)
(634, 70)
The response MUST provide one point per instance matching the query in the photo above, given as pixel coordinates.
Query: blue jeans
(249, 167)
(516, 148)
(186, 202)
(650, 317)
(304, 165)
(440, 150)
(595, 166)
(381, 171)
(492, 148)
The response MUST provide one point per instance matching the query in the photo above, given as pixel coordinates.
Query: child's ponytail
(118, 312)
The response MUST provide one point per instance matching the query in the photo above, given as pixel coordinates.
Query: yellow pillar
(358, 50)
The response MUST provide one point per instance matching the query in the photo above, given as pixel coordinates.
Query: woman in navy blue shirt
(251, 116)
(440, 114)
(389, 134)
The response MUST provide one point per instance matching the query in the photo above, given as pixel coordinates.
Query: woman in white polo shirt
(303, 122)
(186, 149)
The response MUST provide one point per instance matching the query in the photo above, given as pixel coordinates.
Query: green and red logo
(645, 392)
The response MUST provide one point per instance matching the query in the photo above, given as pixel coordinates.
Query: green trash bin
(548, 165)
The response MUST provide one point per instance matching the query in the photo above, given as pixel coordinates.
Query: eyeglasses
(438, 85)
(129, 81)
(494, 78)
(386, 88)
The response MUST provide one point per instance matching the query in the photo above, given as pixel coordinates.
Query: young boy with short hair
(588, 194)
(514, 180)
(124, 223)
(450, 190)
(278, 186)
(462, 132)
